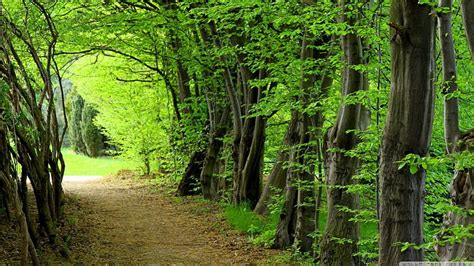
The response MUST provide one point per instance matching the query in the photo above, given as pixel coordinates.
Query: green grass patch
(260, 229)
(81, 165)
(243, 219)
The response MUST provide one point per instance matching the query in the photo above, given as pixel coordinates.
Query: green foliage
(75, 117)
(84, 136)
(130, 114)
(91, 136)
(133, 94)
(261, 230)
(243, 219)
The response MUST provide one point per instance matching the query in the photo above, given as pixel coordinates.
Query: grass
(260, 229)
(81, 165)
(243, 218)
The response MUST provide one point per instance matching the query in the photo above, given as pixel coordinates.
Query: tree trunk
(285, 235)
(12, 198)
(297, 220)
(277, 178)
(462, 194)
(26, 209)
(407, 131)
(249, 143)
(451, 104)
(209, 182)
(189, 184)
(341, 167)
(467, 7)
(247, 185)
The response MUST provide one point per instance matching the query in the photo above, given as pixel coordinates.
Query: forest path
(122, 222)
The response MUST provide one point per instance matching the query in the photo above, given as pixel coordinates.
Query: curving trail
(121, 222)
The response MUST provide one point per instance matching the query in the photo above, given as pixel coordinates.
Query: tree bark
(286, 229)
(407, 130)
(247, 185)
(209, 182)
(10, 189)
(297, 220)
(451, 104)
(277, 178)
(462, 194)
(26, 209)
(467, 7)
(190, 182)
(341, 167)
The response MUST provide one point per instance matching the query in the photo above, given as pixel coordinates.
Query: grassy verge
(81, 165)
(260, 229)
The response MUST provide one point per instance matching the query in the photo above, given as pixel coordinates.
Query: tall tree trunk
(467, 7)
(462, 193)
(247, 185)
(249, 144)
(277, 178)
(297, 220)
(407, 130)
(249, 132)
(342, 167)
(451, 104)
(209, 182)
(286, 229)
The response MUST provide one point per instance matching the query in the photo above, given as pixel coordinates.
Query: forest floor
(123, 220)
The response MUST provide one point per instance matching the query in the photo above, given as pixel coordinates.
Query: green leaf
(402, 164)
(424, 165)
(413, 169)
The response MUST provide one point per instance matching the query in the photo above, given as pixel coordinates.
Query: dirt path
(121, 222)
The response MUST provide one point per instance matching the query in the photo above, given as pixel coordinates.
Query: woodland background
(347, 124)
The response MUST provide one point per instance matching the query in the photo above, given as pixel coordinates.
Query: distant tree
(84, 136)
(75, 116)
(91, 136)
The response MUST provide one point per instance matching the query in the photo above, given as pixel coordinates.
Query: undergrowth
(261, 230)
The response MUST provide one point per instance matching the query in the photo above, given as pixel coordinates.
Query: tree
(456, 140)
(467, 8)
(27, 112)
(91, 135)
(10, 191)
(339, 243)
(407, 131)
(75, 117)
